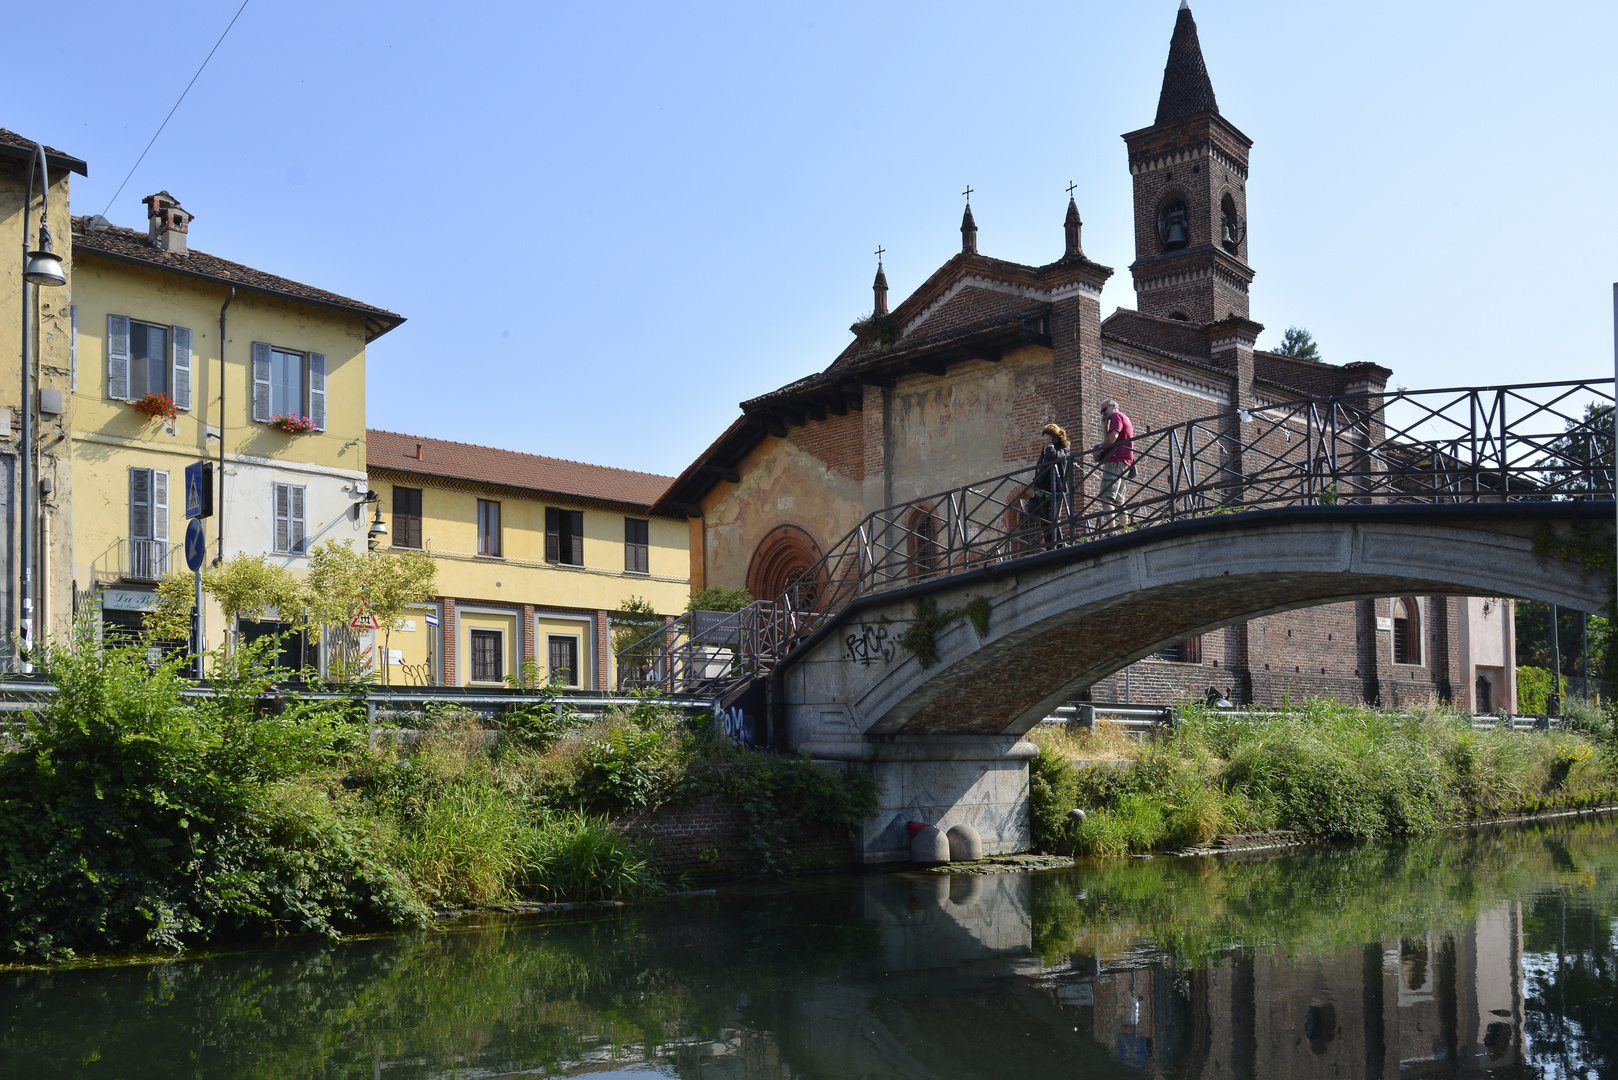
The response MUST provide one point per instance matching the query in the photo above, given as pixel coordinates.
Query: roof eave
(405, 470)
(376, 323)
(54, 159)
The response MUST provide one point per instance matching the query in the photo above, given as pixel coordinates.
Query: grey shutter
(160, 505)
(118, 357)
(140, 504)
(73, 348)
(575, 521)
(553, 539)
(295, 519)
(181, 380)
(317, 389)
(283, 499)
(261, 382)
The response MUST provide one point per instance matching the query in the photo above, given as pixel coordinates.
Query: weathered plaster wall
(780, 483)
(981, 420)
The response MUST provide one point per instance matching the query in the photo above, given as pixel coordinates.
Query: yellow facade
(276, 494)
(530, 603)
(50, 318)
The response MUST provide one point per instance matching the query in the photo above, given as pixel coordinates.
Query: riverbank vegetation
(134, 817)
(1322, 770)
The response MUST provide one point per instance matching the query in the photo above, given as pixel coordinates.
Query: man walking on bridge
(1117, 456)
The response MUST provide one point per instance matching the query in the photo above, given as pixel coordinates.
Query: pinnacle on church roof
(969, 231)
(1186, 86)
(879, 287)
(1071, 226)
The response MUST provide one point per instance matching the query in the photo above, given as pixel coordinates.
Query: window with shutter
(488, 527)
(182, 368)
(564, 536)
(150, 360)
(73, 348)
(261, 383)
(636, 545)
(118, 357)
(317, 390)
(574, 554)
(406, 517)
(160, 505)
(289, 519)
(140, 504)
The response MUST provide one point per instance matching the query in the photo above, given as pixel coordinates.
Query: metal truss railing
(1533, 441)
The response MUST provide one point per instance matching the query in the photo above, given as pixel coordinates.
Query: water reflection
(1471, 955)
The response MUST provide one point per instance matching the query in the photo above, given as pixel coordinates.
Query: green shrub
(1534, 690)
(577, 857)
(1053, 791)
(133, 818)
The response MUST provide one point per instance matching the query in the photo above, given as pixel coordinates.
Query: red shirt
(1124, 449)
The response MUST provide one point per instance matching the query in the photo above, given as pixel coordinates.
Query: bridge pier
(943, 780)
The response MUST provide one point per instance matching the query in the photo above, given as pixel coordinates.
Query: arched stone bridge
(946, 739)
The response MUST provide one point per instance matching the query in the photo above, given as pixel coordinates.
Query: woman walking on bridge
(1050, 483)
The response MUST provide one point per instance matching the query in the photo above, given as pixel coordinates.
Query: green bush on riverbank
(133, 818)
(1327, 770)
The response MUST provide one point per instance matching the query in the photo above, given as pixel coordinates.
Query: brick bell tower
(1190, 170)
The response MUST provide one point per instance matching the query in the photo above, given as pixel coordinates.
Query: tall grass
(576, 857)
(1327, 770)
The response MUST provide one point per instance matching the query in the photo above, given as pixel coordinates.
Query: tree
(634, 620)
(341, 581)
(1580, 460)
(719, 598)
(244, 586)
(1300, 343)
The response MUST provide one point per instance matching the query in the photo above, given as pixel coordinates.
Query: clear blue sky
(609, 223)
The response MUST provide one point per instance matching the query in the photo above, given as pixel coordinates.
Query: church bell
(1229, 234)
(1177, 235)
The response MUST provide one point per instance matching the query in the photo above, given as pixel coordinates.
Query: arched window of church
(1230, 226)
(1406, 631)
(1173, 225)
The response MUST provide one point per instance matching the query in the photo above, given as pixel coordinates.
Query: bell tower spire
(1190, 173)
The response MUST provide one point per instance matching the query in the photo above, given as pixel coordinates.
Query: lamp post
(40, 268)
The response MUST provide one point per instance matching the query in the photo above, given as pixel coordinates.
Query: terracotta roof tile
(16, 146)
(396, 452)
(132, 246)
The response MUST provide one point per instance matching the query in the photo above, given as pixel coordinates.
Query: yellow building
(50, 324)
(533, 555)
(246, 358)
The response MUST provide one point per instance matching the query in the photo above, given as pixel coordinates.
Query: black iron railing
(1468, 444)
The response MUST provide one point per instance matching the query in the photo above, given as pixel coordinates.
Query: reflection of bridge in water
(1035, 598)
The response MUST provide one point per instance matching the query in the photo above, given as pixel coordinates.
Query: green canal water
(1485, 953)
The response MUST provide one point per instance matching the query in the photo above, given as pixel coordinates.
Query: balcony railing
(147, 560)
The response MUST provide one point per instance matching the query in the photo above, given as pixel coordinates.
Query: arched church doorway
(782, 558)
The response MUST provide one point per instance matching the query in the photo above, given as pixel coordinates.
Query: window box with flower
(292, 423)
(155, 406)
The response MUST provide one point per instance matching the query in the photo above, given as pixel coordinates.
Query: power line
(170, 116)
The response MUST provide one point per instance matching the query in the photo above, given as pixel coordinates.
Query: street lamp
(39, 268)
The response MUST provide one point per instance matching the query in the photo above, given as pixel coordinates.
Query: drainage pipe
(219, 483)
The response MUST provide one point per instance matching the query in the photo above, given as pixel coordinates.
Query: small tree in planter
(156, 406)
(292, 423)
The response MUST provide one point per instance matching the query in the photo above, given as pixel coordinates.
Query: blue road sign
(196, 544)
(199, 490)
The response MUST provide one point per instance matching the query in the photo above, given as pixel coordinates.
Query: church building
(955, 382)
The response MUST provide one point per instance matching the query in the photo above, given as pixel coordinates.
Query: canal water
(1485, 953)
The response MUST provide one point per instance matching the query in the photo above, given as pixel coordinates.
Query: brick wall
(447, 634)
(839, 441)
(703, 840)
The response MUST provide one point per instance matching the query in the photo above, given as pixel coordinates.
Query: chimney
(418, 451)
(969, 232)
(167, 222)
(880, 287)
(1072, 226)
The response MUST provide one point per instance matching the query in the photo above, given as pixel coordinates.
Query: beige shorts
(1114, 481)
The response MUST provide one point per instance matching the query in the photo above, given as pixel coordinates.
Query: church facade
(955, 382)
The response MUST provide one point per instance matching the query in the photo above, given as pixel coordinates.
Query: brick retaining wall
(704, 840)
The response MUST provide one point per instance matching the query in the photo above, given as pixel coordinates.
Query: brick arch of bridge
(1061, 621)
